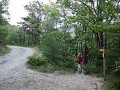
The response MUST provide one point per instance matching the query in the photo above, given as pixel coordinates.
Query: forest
(63, 29)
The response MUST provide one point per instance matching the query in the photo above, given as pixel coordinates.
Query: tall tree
(3, 21)
(92, 16)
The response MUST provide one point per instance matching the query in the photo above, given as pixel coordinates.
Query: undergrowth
(4, 50)
(40, 63)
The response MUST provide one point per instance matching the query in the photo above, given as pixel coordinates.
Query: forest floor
(14, 75)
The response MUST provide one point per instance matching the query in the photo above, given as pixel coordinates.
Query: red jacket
(79, 58)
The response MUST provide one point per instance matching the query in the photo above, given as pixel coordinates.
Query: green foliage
(3, 11)
(36, 60)
(15, 35)
(3, 34)
(3, 21)
(113, 82)
(4, 50)
(40, 63)
(91, 69)
(53, 47)
(117, 68)
(89, 22)
(112, 27)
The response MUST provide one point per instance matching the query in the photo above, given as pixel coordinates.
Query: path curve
(15, 76)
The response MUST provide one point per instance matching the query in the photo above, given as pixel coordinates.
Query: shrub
(113, 83)
(54, 48)
(36, 60)
(4, 50)
(117, 68)
(91, 69)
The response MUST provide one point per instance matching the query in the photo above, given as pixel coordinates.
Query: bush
(91, 69)
(117, 68)
(36, 60)
(4, 50)
(54, 48)
(113, 82)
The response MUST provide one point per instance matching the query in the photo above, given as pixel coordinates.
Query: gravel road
(15, 76)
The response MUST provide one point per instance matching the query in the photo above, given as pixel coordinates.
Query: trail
(14, 75)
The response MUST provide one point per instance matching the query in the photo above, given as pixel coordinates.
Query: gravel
(14, 75)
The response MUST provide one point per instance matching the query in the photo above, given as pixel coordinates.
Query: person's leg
(78, 65)
(79, 68)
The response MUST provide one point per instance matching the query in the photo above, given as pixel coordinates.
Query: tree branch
(88, 7)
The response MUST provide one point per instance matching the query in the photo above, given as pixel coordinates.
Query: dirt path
(15, 76)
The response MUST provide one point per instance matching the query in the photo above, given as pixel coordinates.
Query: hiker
(79, 61)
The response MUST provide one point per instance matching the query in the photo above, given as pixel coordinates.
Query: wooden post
(104, 55)
(104, 65)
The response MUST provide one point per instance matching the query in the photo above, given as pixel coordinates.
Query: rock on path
(15, 76)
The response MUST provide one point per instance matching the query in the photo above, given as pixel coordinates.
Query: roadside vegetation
(3, 27)
(4, 50)
(63, 29)
(40, 63)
